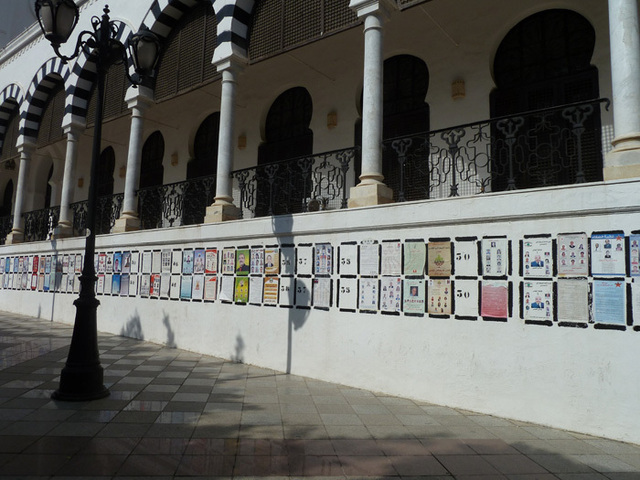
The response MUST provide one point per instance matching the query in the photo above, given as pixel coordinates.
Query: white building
(484, 135)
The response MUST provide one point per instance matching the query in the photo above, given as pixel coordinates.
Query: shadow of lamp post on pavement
(81, 378)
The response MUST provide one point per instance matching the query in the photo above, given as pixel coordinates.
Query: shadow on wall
(238, 357)
(171, 337)
(133, 328)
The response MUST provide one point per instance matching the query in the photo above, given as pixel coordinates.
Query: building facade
(431, 201)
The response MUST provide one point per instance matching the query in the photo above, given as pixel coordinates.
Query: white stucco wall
(580, 379)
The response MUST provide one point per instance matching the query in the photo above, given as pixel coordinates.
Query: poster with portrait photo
(634, 255)
(323, 259)
(228, 261)
(211, 261)
(495, 256)
(439, 296)
(573, 255)
(145, 285)
(241, 290)
(156, 281)
(439, 259)
(186, 283)
(197, 289)
(115, 283)
(187, 262)
(243, 259)
(198, 261)
(413, 296)
(391, 294)
(368, 294)
(608, 254)
(257, 261)
(537, 302)
(126, 262)
(271, 261)
(537, 258)
(117, 262)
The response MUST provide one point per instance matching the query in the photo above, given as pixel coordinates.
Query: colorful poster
(466, 297)
(414, 296)
(117, 262)
(255, 290)
(608, 254)
(415, 257)
(145, 285)
(348, 293)
(322, 292)
(303, 292)
(495, 256)
(391, 258)
(211, 261)
(439, 296)
(271, 261)
(609, 301)
(227, 288)
(634, 255)
(228, 261)
(210, 288)
(197, 289)
(494, 299)
(34, 281)
(537, 259)
(439, 259)
(166, 261)
(176, 262)
(348, 260)
(368, 294)
(304, 262)
(186, 284)
(287, 260)
(324, 259)
(573, 255)
(243, 257)
(390, 294)
(156, 280)
(241, 291)
(47, 265)
(271, 289)
(573, 300)
(34, 267)
(115, 283)
(198, 261)
(187, 262)
(47, 282)
(538, 301)
(257, 262)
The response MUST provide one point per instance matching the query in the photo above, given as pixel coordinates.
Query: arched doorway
(151, 198)
(287, 136)
(545, 61)
(405, 114)
(201, 170)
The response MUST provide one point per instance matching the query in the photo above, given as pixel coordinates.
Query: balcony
(548, 147)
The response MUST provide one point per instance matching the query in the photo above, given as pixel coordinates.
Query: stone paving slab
(174, 414)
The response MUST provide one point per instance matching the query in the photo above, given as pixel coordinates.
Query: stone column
(624, 160)
(17, 232)
(138, 100)
(65, 222)
(371, 190)
(223, 208)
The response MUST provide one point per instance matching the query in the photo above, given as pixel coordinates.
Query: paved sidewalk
(177, 414)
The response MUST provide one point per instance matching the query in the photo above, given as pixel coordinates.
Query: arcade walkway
(177, 414)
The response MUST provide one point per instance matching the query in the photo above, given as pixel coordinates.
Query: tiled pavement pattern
(177, 414)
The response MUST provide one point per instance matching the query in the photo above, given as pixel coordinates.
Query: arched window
(287, 136)
(151, 175)
(47, 195)
(405, 113)
(51, 121)
(204, 163)
(545, 61)
(9, 154)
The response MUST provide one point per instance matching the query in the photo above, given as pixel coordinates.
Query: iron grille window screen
(280, 25)
(187, 54)
(115, 89)
(51, 122)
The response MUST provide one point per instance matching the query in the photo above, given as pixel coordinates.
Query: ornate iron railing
(6, 224)
(309, 183)
(108, 208)
(39, 224)
(553, 146)
(180, 203)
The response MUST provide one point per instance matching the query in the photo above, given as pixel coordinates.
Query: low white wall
(580, 379)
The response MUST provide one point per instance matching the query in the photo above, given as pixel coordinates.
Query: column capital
(364, 8)
(73, 127)
(140, 97)
(26, 145)
(233, 64)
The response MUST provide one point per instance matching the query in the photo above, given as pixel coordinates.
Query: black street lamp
(82, 377)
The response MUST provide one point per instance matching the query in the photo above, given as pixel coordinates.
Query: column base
(126, 223)
(221, 212)
(14, 236)
(622, 162)
(365, 195)
(63, 230)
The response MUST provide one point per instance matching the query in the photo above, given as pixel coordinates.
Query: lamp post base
(81, 383)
